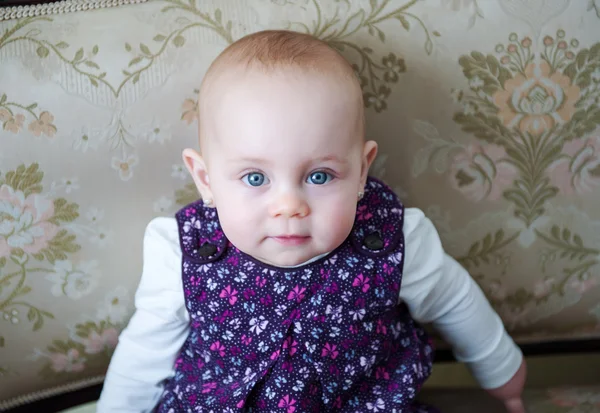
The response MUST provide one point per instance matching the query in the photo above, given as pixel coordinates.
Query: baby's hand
(510, 393)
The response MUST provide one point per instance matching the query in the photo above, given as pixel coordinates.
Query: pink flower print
(294, 315)
(190, 111)
(315, 287)
(287, 366)
(362, 214)
(325, 274)
(240, 404)
(482, 171)
(346, 343)
(200, 364)
(266, 300)
(260, 281)
(381, 328)
(43, 125)
(581, 286)
(96, 343)
(387, 228)
(208, 387)
(26, 221)
(218, 347)
(233, 261)
(332, 289)
(338, 402)
(69, 362)
(217, 235)
(354, 329)
(249, 293)
(192, 399)
(334, 370)
(235, 351)
(578, 171)
(190, 211)
(221, 319)
(362, 282)
(288, 403)
(229, 294)
(291, 345)
(359, 303)
(297, 294)
(246, 340)
(388, 269)
(381, 373)
(329, 350)
(275, 354)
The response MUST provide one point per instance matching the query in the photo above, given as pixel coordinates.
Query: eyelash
(330, 174)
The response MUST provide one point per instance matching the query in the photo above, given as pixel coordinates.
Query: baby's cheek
(336, 223)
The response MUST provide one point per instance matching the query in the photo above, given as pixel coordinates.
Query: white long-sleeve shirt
(435, 288)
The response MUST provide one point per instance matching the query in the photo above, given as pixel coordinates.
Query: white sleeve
(438, 290)
(149, 345)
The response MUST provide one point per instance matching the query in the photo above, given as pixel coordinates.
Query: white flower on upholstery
(24, 222)
(94, 215)
(115, 306)
(125, 166)
(86, 138)
(101, 237)
(155, 132)
(179, 171)
(163, 205)
(72, 282)
(70, 184)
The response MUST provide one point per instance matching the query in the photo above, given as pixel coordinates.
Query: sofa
(487, 117)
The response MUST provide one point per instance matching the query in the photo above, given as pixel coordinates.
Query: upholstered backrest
(486, 113)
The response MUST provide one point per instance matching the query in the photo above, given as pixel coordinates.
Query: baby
(298, 282)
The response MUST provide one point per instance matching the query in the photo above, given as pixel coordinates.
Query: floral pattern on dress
(328, 335)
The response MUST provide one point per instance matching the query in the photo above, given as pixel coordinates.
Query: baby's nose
(288, 205)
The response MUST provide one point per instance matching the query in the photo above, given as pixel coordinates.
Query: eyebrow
(328, 158)
(331, 158)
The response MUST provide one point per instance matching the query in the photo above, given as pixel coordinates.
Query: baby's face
(285, 160)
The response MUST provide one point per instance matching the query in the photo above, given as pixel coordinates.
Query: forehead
(291, 111)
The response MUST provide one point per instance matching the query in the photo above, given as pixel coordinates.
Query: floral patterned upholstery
(486, 113)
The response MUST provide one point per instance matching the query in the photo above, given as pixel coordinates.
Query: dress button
(206, 250)
(373, 242)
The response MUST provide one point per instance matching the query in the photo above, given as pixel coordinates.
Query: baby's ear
(197, 168)
(369, 154)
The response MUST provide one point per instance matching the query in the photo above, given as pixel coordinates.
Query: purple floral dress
(326, 336)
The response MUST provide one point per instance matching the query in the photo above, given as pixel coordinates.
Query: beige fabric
(485, 111)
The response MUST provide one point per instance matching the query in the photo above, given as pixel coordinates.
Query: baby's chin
(287, 259)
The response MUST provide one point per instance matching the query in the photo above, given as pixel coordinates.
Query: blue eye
(319, 178)
(254, 179)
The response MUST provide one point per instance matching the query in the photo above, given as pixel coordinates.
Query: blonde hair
(273, 50)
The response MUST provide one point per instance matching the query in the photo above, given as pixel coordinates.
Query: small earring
(360, 195)
(207, 202)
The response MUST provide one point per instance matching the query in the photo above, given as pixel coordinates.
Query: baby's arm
(437, 289)
(148, 347)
